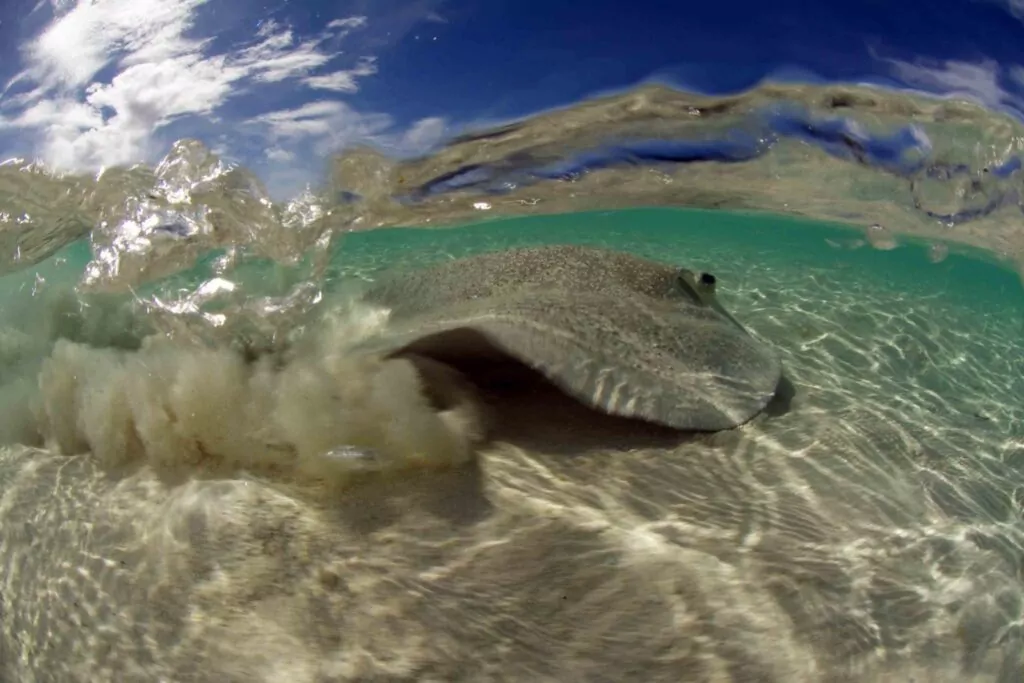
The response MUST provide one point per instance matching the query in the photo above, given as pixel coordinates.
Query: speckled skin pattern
(613, 330)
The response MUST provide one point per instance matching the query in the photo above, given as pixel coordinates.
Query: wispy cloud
(343, 81)
(106, 76)
(82, 41)
(348, 23)
(300, 137)
(329, 125)
(327, 121)
(423, 135)
(978, 81)
(993, 85)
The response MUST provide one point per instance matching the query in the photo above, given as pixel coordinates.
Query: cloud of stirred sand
(317, 410)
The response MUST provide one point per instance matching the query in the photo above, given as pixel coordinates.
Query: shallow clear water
(184, 515)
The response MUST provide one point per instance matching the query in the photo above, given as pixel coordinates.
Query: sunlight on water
(212, 471)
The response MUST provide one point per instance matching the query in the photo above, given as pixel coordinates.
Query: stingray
(623, 335)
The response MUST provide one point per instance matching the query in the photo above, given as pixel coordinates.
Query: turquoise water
(705, 239)
(700, 238)
(871, 533)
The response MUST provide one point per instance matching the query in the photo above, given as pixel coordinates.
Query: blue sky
(279, 85)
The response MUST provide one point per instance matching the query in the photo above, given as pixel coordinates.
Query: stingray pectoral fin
(683, 367)
(782, 400)
(670, 393)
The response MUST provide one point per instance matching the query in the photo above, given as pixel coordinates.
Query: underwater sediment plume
(316, 441)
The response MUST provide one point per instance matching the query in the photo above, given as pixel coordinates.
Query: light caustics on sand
(871, 533)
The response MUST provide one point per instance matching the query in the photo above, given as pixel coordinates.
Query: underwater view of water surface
(654, 386)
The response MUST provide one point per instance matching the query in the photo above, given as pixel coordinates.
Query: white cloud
(338, 81)
(983, 82)
(277, 57)
(325, 127)
(343, 81)
(330, 125)
(424, 134)
(348, 22)
(978, 81)
(328, 122)
(161, 74)
(84, 40)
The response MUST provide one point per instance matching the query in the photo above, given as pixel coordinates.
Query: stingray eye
(707, 283)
